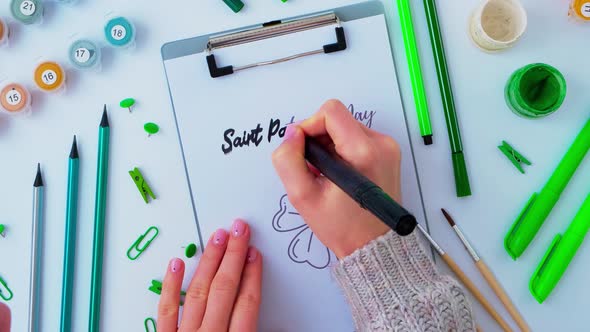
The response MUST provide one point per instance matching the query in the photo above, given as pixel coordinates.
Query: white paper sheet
(299, 293)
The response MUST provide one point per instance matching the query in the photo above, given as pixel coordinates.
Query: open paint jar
(535, 90)
(498, 24)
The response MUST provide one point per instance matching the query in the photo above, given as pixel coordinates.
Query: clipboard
(233, 94)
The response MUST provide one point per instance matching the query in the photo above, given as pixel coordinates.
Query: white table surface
(499, 192)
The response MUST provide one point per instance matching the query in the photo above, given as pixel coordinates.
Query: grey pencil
(35, 280)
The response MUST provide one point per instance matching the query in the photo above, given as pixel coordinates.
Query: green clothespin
(136, 248)
(142, 186)
(156, 287)
(514, 156)
(150, 322)
(5, 292)
(2, 229)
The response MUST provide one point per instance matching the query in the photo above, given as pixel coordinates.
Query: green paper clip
(142, 186)
(5, 292)
(2, 229)
(156, 287)
(137, 244)
(150, 321)
(514, 156)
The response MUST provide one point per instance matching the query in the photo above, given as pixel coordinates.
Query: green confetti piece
(2, 228)
(191, 250)
(127, 103)
(151, 128)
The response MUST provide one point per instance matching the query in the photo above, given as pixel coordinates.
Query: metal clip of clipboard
(270, 30)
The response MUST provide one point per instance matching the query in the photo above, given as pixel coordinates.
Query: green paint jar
(535, 90)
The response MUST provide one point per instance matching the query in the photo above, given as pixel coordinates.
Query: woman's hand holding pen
(339, 222)
(225, 291)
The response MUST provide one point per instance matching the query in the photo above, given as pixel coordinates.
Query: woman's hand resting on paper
(224, 294)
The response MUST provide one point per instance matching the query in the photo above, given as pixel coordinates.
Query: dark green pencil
(99, 220)
(444, 82)
(67, 290)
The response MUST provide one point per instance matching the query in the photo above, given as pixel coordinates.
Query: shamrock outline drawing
(304, 247)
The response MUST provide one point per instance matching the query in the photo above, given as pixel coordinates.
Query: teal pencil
(67, 289)
(99, 220)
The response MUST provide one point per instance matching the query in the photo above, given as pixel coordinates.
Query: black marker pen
(370, 196)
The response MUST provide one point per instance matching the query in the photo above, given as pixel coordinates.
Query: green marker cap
(539, 206)
(559, 254)
(235, 5)
(461, 177)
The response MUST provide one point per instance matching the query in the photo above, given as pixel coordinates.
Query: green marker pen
(444, 82)
(405, 16)
(539, 206)
(560, 254)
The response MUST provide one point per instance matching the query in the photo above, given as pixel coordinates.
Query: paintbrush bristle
(448, 217)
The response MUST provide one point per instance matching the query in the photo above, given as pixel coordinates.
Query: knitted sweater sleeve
(392, 285)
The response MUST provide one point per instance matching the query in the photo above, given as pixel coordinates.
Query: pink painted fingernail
(314, 170)
(220, 237)
(238, 228)
(252, 254)
(175, 265)
(290, 131)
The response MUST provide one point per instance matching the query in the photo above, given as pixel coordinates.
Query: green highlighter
(560, 254)
(539, 206)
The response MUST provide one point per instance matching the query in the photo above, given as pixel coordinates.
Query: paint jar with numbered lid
(580, 9)
(4, 32)
(119, 32)
(85, 54)
(15, 99)
(27, 11)
(50, 76)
